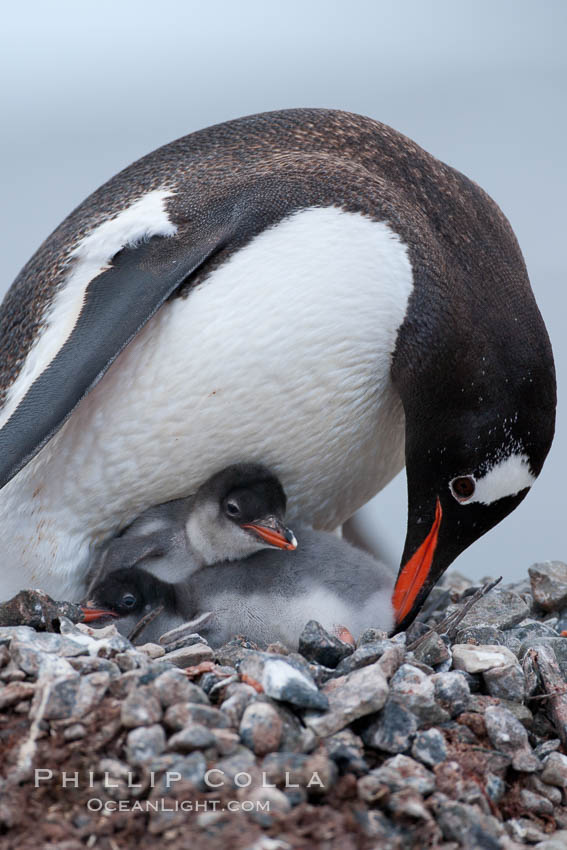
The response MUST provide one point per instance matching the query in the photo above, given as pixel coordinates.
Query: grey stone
(15, 692)
(187, 656)
(412, 687)
(401, 772)
(316, 644)
(508, 735)
(393, 728)
(432, 650)
(549, 584)
(535, 803)
(226, 741)
(57, 697)
(94, 664)
(172, 686)
(228, 768)
(74, 732)
(480, 635)
(469, 826)
(534, 783)
(316, 772)
(555, 770)
(451, 691)
(557, 841)
(261, 728)
(558, 644)
(352, 696)
(506, 682)
(140, 708)
(19, 633)
(429, 747)
(296, 738)
(529, 629)
(495, 787)
(371, 636)
(523, 830)
(152, 650)
(191, 768)
(347, 751)
(500, 608)
(477, 659)
(284, 682)
(367, 653)
(192, 737)
(238, 697)
(546, 747)
(144, 743)
(185, 713)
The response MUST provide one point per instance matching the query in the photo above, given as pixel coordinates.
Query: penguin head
(127, 592)
(478, 429)
(237, 512)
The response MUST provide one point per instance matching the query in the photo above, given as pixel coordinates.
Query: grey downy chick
(268, 596)
(236, 512)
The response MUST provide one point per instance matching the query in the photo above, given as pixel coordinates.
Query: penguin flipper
(117, 304)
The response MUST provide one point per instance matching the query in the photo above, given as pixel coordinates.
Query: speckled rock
(186, 656)
(261, 728)
(555, 770)
(316, 644)
(144, 743)
(477, 659)
(507, 734)
(392, 729)
(401, 772)
(506, 682)
(173, 686)
(350, 697)
(549, 584)
(500, 608)
(429, 747)
(415, 689)
(140, 708)
(183, 714)
(192, 737)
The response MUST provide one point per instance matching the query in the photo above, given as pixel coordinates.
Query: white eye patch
(506, 478)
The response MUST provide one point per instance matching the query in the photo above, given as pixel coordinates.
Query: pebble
(416, 690)
(432, 650)
(261, 728)
(173, 686)
(555, 770)
(429, 747)
(401, 772)
(506, 682)
(393, 728)
(509, 735)
(140, 708)
(452, 692)
(349, 697)
(183, 714)
(316, 644)
(283, 682)
(192, 737)
(477, 659)
(367, 653)
(144, 743)
(549, 584)
(187, 656)
(500, 608)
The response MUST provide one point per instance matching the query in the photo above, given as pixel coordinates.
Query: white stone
(477, 659)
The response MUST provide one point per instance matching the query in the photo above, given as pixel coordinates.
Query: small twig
(144, 623)
(448, 626)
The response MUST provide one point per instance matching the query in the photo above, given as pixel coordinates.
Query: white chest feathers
(281, 356)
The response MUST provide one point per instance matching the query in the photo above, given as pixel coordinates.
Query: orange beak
(273, 532)
(91, 614)
(415, 572)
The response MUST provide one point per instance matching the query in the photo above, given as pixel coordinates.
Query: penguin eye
(232, 509)
(128, 600)
(463, 487)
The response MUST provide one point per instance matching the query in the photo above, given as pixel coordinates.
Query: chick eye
(463, 487)
(232, 509)
(128, 600)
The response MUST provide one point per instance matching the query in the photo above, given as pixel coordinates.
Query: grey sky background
(89, 87)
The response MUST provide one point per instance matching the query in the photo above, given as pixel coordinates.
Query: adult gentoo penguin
(304, 288)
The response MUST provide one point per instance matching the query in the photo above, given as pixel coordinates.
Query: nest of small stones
(445, 737)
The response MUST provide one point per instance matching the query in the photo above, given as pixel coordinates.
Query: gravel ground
(453, 735)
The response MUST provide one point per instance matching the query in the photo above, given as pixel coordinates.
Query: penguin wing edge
(117, 304)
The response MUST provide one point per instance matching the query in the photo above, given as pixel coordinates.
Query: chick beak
(273, 532)
(91, 614)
